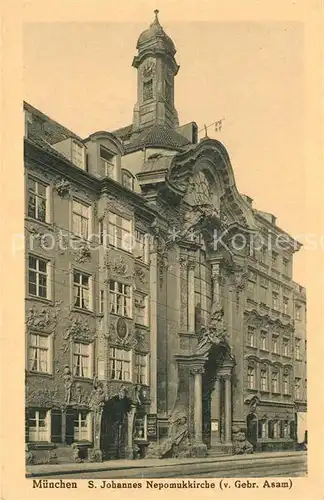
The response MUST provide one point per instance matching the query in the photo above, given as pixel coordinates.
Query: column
(129, 452)
(216, 284)
(63, 429)
(228, 408)
(198, 403)
(153, 331)
(191, 295)
(215, 412)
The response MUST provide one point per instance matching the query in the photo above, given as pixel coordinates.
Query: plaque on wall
(151, 426)
(121, 328)
(214, 425)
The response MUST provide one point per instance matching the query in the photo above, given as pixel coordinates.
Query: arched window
(128, 180)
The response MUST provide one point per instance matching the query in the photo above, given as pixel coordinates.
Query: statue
(176, 444)
(212, 334)
(68, 382)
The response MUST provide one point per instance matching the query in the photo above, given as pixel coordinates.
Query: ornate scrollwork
(83, 254)
(213, 334)
(62, 187)
(79, 330)
(43, 398)
(44, 319)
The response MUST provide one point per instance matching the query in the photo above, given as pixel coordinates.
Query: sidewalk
(110, 465)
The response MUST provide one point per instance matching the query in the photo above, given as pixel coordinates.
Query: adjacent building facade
(162, 318)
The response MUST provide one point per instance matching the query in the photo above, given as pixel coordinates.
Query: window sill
(140, 325)
(264, 391)
(251, 389)
(48, 302)
(82, 379)
(84, 311)
(266, 266)
(35, 373)
(46, 224)
(84, 443)
(264, 350)
(252, 346)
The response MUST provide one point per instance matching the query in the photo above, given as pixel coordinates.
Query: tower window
(148, 90)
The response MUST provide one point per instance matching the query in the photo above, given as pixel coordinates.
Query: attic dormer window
(107, 162)
(128, 180)
(78, 157)
(148, 90)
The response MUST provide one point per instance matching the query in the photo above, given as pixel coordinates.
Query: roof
(41, 126)
(156, 33)
(157, 162)
(159, 136)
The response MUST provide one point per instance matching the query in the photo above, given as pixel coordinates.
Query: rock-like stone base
(199, 450)
(129, 453)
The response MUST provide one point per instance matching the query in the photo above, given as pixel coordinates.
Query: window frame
(126, 301)
(79, 420)
(251, 377)
(37, 272)
(46, 197)
(114, 360)
(81, 355)
(75, 231)
(138, 366)
(48, 349)
(117, 233)
(79, 288)
(47, 420)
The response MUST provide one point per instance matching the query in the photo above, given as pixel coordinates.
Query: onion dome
(155, 35)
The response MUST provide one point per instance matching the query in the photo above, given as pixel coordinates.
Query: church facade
(162, 318)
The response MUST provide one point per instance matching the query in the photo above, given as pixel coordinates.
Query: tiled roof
(124, 132)
(159, 136)
(43, 126)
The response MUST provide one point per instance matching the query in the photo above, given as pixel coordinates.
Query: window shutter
(69, 430)
(26, 425)
(282, 428)
(259, 428)
(56, 426)
(270, 429)
(292, 430)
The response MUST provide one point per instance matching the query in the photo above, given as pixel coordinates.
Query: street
(295, 466)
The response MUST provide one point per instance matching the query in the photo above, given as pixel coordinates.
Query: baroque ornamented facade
(161, 314)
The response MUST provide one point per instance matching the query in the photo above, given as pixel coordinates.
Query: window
(251, 336)
(286, 429)
(275, 344)
(251, 377)
(264, 379)
(128, 180)
(78, 154)
(107, 162)
(141, 316)
(298, 312)
(80, 219)
(120, 364)
(81, 284)
(82, 360)
(263, 254)
(101, 301)
(120, 232)
(148, 90)
(285, 347)
(285, 383)
(274, 259)
(297, 349)
(38, 425)
(141, 247)
(297, 388)
(275, 382)
(120, 299)
(285, 305)
(37, 200)
(262, 429)
(141, 369)
(39, 353)
(285, 263)
(140, 431)
(275, 301)
(38, 277)
(82, 426)
(276, 429)
(264, 341)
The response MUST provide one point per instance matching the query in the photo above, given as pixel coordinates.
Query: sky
(250, 74)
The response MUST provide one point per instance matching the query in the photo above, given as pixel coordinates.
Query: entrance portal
(113, 435)
(213, 397)
(252, 429)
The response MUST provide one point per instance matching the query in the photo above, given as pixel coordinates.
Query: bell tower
(156, 68)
